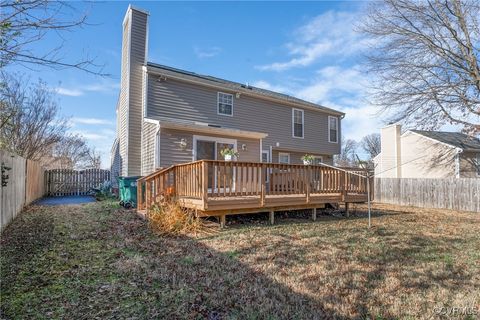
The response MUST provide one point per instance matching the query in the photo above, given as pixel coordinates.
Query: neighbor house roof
(455, 139)
(238, 87)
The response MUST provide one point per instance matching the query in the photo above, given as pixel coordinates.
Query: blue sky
(306, 49)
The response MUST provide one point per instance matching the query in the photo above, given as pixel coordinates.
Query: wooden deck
(219, 188)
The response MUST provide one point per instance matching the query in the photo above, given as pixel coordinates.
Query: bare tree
(70, 153)
(93, 160)
(425, 61)
(371, 144)
(347, 156)
(25, 23)
(34, 126)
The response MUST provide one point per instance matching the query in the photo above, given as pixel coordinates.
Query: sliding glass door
(209, 148)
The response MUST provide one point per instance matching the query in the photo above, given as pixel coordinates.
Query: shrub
(170, 218)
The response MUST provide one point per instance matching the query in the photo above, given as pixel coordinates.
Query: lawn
(99, 261)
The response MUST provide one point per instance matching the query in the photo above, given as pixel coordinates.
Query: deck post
(264, 186)
(272, 217)
(139, 195)
(347, 212)
(343, 190)
(205, 185)
(148, 196)
(223, 221)
(309, 178)
(314, 214)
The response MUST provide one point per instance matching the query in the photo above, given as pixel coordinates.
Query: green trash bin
(127, 189)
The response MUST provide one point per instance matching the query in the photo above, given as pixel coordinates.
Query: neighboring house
(167, 116)
(427, 154)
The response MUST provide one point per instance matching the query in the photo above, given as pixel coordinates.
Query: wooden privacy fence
(456, 194)
(66, 182)
(25, 184)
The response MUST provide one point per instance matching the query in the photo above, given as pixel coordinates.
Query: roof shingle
(456, 139)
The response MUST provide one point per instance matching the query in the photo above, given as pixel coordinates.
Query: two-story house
(168, 116)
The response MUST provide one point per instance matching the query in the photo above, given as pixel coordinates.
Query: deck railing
(206, 179)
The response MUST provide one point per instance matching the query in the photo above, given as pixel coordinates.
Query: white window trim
(293, 123)
(336, 119)
(214, 139)
(280, 154)
(218, 106)
(267, 152)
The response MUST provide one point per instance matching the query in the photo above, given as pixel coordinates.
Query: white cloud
(329, 34)
(210, 52)
(69, 92)
(268, 86)
(80, 90)
(92, 121)
(339, 88)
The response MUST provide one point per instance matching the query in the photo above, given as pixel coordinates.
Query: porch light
(244, 147)
(183, 144)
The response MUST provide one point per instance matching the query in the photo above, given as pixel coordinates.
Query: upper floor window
(297, 123)
(333, 129)
(225, 104)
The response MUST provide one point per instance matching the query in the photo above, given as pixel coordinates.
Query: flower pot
(228, 157)
(307, 162)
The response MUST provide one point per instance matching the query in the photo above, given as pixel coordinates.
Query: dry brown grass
(170, 219)
(99, 261)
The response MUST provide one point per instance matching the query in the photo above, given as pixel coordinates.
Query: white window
(317, 160)
(225, 104)
(265, 156)
(333, 129)
(297, 123)
(284, 157)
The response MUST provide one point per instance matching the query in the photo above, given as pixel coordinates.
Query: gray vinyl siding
(122, 112)
(115, 168)
(149, 131)
(177, 99)
(171, 153)
(135, 116)
(296, 157)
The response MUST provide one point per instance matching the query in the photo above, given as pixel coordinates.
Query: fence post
(309, 178)
(205, 184)
(264, 185)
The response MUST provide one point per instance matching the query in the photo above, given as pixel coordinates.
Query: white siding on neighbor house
(468, 164)
(177, 99)
(425, 158)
